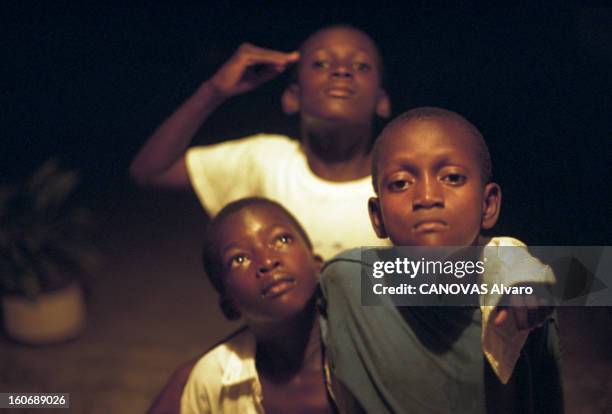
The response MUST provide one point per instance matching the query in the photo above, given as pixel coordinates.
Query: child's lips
(277, 286)
(342, 92)
(429, 226)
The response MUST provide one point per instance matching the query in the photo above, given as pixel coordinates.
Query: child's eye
(320, 64)
(398, 185)
(237, 260)
(454, 179)
(282, 240)
(362, 66)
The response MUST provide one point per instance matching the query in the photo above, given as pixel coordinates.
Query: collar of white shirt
(239, 366)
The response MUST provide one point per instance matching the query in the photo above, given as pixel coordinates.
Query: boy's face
(339, 77)
(269, 271)
(430, 191)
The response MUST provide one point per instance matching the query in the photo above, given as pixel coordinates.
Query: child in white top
(322, 178)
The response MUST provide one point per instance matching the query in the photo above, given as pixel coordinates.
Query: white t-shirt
(225, 380)
(334, 215)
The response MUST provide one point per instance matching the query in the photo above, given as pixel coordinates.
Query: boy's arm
(161, 161)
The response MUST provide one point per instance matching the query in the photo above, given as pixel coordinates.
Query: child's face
(269, 271)
(339, 77)
(430, 191)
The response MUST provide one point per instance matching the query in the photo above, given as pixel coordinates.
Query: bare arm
(161, 160)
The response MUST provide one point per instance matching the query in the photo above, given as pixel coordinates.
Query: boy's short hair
(427, 112)
(213, 265)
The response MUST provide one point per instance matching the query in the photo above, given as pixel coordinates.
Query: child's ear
(376, 217)
(228, 307)
(383, 104)
(291, 99)
(319, 260)
(491, 205)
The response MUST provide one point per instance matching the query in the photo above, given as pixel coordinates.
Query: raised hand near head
(249, 67)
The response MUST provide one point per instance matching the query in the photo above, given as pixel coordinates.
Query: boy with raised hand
(261, 262)
(432, 177)
(324, 177)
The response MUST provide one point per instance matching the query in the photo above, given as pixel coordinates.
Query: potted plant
(44, 249)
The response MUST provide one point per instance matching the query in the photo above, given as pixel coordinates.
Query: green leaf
(41, 232)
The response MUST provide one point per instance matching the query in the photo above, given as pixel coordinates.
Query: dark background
(90, 82)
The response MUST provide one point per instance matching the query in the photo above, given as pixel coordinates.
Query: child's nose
(267, 265)
(342, 71)
(427, 194)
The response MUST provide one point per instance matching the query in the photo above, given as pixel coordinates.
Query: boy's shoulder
(274, 145)
(345, 256)
(261, 139)
(259, 149)
(350, 259)
(343, 271)
(271, 139)
(229, 357)
(226, 365)
(265, 143)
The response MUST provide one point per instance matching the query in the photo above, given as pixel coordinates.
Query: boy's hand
(525, 311)
(249, 67)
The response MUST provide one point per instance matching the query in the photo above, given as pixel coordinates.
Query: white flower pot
(49, 318)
